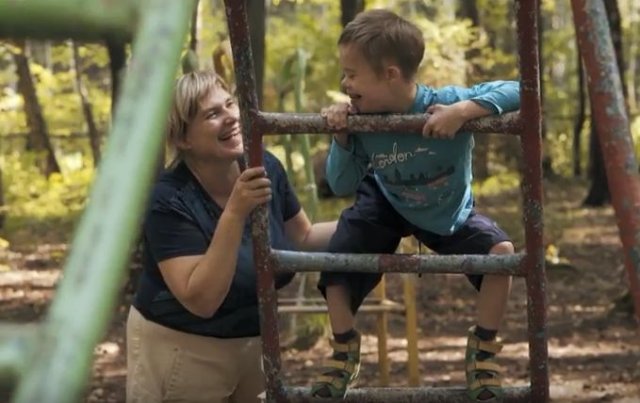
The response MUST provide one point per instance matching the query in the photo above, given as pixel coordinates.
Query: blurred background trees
(56, 96)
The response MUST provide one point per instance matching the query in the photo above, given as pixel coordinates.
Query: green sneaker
(482, 375)
(340, 371)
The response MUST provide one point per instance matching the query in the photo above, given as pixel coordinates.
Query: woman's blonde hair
(189, 91)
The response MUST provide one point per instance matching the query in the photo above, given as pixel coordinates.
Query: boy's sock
(343, 338)
(484, 335)
(346, 336)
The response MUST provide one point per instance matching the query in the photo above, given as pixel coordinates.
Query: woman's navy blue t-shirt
(180, 221)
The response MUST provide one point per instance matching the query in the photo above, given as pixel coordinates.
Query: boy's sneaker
(481, 369)
(340, 371)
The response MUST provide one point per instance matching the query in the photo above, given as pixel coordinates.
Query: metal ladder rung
(381, 306)
(293, 301)
(306, 123)
(398, 263)
(403, 395)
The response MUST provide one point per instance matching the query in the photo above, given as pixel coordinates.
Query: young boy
(408, 184)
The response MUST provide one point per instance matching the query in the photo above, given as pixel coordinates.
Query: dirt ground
(593, 340)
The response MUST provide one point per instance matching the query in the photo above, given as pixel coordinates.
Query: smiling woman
(204, 119)
(193, 330)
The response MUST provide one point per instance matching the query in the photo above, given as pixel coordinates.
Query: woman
(193, 329)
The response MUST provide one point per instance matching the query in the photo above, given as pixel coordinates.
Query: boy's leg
(494, 293)
(339, 305)
(480, 235)
(369, 226)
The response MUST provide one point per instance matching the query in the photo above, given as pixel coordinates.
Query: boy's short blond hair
(383, 36)
(189, 91)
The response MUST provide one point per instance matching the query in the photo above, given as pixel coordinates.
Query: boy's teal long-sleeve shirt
(428, 181)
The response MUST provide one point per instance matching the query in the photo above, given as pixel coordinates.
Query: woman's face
(215, 131)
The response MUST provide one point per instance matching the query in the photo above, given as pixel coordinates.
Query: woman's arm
(202, 282)
(306, 236)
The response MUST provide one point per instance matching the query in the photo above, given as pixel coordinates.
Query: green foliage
(558, 147)
(189, 61)
(445, 43)
(39, 206)
(456, 53)
(635, 133)
(10, 101)
(56, 91)
(314, 27)
(497, 184)
(36, 205)
(213, 31)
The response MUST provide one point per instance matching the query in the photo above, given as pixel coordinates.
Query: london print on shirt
(405, 174)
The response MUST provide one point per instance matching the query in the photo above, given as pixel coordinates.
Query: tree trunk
(632, 68)
(195, 27)
(190, 61)
(580, 118)
(547, 162)
(506, 147)
(615, 25)
(599, 193)
(3, 213)
(85, 103)
(469, 9)
(257, 30)
(38, 138)
(117, 64)
(349, 9)
(40, 53)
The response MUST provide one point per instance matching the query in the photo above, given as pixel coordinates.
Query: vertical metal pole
(411, 319)
(530, 112)
(248, 101)
(612, 123)
(382, 328)
(59, 365)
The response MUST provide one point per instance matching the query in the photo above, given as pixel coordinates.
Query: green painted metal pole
(82, 19)
(288, 145)
(16, 340)
(59, 367)
(310, 187)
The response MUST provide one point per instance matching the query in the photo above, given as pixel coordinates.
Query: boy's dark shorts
(372, 225)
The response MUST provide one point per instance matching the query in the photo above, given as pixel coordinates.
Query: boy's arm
(496, 96)
(346, 166)
(454, 106)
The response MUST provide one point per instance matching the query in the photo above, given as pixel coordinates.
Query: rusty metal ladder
(529, 265)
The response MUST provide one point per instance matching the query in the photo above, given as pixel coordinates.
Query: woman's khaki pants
(165, 365)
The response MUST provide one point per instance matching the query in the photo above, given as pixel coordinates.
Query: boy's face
(369, 92)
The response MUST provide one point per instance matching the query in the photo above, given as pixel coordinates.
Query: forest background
(55, 114)
(50, 138)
